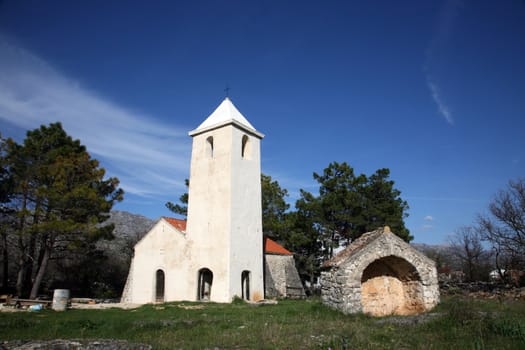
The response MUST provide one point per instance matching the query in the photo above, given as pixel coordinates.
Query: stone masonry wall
(274, 277)
(416, 289)
(281, 277)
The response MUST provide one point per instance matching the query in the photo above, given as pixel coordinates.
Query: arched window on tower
(209, 147)
(246, 151)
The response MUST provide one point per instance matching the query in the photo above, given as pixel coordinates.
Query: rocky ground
(483, 290)
(73, 305)
(104, 306)
(62, 344)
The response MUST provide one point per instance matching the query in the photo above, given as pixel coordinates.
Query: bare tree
(504, 226)
(468, 249)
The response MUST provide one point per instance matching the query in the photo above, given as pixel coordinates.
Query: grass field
(306, 324)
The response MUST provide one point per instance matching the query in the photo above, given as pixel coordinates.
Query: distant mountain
(437, 248)
(129, 229)
(129, 225)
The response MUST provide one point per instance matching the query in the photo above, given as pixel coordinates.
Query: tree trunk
(39, 257)
(32, 249)
(30, 261)
(5, 262)
(312, 280)
(20, 278)
(40, 274)
(332, 240)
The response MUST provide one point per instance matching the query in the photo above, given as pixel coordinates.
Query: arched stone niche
(391, 286)
(380, 274)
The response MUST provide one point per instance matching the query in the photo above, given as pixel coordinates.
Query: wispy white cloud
(444, 199)
(442, 32)
(427, 227)
(445, 22)
(132, 145)
(442, 107)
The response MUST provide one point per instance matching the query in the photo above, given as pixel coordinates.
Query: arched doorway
(159, 286)
(205, 281)
(245, 285)
(391, 286)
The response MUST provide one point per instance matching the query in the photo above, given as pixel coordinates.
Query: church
(220, 252)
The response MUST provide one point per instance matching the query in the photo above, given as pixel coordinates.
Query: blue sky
(432, 90)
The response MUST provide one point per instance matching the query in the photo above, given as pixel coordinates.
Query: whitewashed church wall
(162, 248)
(246, 240)
(209, 210)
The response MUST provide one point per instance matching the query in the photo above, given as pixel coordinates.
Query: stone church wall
(281, 277)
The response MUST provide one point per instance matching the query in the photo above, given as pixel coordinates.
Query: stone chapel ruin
(380, 274)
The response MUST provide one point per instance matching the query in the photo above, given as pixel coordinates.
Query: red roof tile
(177, 223)
(273, 247)
(270, 246)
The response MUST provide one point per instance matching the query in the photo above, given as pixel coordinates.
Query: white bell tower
(224, 227)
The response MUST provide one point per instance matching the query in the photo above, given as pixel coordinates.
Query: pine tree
(60, 197)
(179, 209)
(274, 208)
(349, 205)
